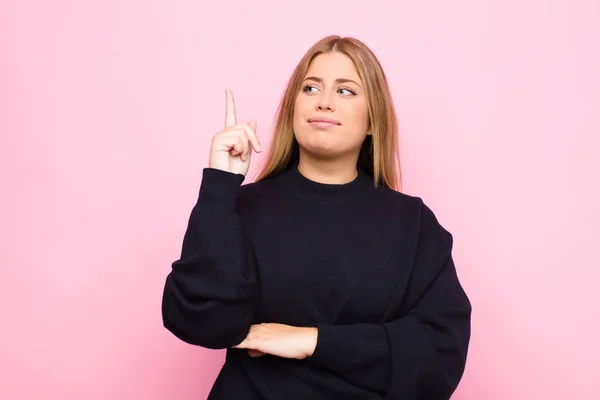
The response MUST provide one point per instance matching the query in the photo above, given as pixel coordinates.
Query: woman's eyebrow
(338, 80)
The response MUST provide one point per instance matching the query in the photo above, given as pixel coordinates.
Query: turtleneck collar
(326, 193)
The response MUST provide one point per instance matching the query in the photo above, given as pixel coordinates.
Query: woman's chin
(324, 149)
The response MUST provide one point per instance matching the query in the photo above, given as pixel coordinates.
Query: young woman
(321, 279)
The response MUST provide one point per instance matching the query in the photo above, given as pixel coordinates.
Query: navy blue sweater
(371, 268)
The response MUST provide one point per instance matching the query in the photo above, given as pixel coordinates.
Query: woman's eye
(308, 88)
(348, 91)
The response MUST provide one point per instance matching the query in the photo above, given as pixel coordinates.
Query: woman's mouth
(323, 122)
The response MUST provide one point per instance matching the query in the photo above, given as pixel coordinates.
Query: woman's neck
(336, 172)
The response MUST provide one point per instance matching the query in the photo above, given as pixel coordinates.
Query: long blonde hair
(379, 155)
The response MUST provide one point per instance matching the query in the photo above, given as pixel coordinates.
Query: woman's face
(330, 115)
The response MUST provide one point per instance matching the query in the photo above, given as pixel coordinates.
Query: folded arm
(420, 354)
(208, 298)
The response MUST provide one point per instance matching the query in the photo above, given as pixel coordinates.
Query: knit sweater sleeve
(208, 297)
(421, 352)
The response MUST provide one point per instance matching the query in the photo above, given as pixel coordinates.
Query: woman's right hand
(231, 148)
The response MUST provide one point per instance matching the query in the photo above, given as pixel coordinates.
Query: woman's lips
(323, 122)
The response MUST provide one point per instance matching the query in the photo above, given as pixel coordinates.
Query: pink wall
(106, 114)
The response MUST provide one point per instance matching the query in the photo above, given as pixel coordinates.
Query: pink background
(107, 109)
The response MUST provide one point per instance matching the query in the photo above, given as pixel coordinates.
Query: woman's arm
(420, 351)
(420, 355)
(208, 298)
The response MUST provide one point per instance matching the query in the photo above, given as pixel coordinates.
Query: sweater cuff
(343, 347)
(328, 348)
(219, 188)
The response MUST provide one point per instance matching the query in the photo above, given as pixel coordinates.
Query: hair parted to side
(379, 153)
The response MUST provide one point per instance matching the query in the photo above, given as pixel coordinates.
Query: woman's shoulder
(392, 199)
(256, 188)
(253, 195)
(417, 209)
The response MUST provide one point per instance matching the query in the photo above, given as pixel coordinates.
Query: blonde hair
(379, 152)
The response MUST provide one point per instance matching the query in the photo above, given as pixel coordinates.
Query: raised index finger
(230, 119)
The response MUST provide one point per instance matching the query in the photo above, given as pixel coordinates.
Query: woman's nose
(324, 103)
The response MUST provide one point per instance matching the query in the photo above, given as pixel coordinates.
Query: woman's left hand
(280, 340)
